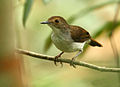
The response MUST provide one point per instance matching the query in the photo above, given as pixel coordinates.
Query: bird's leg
(73, 59)
(56, 58)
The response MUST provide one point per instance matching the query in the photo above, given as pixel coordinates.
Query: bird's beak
(45, 22)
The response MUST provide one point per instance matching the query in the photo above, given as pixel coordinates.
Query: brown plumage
(79, 34)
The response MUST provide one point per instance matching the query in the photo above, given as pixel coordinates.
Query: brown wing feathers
(79, 34)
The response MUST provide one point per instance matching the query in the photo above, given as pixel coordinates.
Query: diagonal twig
(79, 63)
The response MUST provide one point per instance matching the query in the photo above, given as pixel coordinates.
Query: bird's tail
(95, 43)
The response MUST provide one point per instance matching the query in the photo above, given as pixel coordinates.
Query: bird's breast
(65, 43)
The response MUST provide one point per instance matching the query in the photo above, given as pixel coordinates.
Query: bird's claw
(61, 64)
(72, 64)
(56, 60)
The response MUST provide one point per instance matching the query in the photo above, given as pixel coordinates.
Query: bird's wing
(79, 34)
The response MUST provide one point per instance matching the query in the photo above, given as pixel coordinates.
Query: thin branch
(80, 63)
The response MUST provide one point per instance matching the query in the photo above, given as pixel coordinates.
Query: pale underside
(66, 44)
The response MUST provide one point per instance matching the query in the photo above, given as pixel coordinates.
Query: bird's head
(56, 22)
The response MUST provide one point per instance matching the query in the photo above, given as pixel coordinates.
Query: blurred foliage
(53, 81)
(107, 27)
(27, 8)
(48, 43)
(87, 10)
(112, 28)
(46, 1)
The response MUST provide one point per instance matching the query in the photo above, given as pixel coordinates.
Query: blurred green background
(95, 16)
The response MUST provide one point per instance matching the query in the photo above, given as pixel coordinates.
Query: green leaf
(46, 1)
(48, 43)
(87, 10)
(101, 29)
(108, 27)
(27, 8)
(112, 27)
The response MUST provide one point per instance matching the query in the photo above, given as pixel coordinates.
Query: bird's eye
(57, 21)
(87, 33)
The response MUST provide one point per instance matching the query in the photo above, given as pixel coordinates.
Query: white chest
(66, 44)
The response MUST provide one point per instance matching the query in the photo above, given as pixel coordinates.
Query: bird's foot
(56, 59)
(72, 63)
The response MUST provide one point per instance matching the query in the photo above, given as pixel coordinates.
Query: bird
(69, 38)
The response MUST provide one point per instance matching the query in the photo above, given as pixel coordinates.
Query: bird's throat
(64, 33)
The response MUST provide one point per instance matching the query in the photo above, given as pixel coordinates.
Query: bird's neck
(62, 33)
